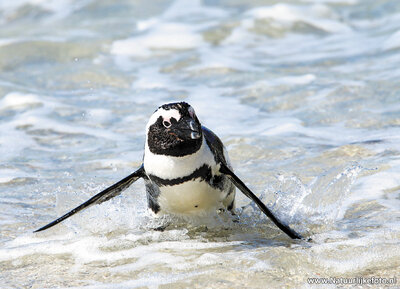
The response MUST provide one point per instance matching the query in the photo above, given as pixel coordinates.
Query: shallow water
(304, 94)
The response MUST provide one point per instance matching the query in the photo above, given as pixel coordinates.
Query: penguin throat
(160, 146)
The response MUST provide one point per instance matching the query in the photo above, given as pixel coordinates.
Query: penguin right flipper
(101, 197)
(248, 193)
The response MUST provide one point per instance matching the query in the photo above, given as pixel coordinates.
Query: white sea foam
(58, 9)
(347, 2)
(92, 248)
(7, 175)
(149, 280)
(166, 33)
(229, 107)
(393, 42)
(151, 78)
(7, 41)
(302, 93)
(324, 201)
(286, 80)
(167, 36)
(375, 186)
(184, 9)
(15, 100)
(369, 250)
(320, 16)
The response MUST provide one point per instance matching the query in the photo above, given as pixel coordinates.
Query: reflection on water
(304, 93)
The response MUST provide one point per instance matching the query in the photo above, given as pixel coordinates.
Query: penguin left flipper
(217, 147)
(248, 193)
(101, 197)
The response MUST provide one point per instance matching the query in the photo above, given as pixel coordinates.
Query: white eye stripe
(165, 114)
(169, 119)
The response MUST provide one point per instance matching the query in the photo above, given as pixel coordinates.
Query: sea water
(304, 94)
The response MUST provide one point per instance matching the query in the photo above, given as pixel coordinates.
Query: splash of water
(319, 203)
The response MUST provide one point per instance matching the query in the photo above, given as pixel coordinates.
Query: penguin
(186, 170)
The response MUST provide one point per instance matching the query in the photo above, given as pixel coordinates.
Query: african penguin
(181, 167)
(185, 168)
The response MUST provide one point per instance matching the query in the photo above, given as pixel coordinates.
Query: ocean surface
(305, 94)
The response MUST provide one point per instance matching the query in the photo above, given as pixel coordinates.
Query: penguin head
(174, 130)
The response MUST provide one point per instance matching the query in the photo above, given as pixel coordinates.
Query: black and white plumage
(186, 170)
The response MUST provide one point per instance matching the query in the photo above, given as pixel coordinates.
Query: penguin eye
(191, 112)
(167, 124)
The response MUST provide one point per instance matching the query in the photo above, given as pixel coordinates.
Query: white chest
(189, 198)
(169, 167)
(194, 196)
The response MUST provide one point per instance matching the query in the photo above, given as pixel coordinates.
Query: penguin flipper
(248, 193)
(101, 197)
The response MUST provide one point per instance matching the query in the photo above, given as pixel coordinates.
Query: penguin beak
(188, 129)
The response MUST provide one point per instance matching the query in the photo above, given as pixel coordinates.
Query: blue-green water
(304, 94)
